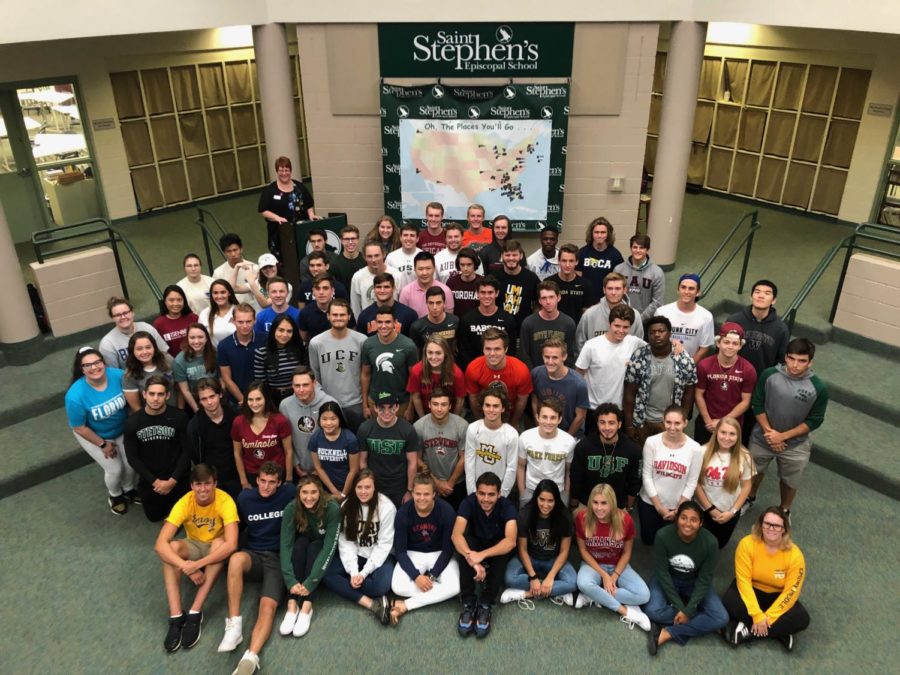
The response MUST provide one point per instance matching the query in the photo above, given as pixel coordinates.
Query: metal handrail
(114, 237)
(745, 241)
(850, 244)
(202, 215)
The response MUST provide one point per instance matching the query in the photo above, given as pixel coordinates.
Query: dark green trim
(866, 476)
(41, 474)
(863, 343)
(23, 353)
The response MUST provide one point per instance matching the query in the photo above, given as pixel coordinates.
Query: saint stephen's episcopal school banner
(500, 146)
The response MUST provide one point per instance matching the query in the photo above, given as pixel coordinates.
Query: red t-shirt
(722, 388)
(416, 385)
(477, 241)
(432, 243)
(515, 377)
(174, 331)
(259, 448)
(602, 547)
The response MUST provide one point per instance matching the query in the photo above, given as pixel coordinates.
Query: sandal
(396, 612)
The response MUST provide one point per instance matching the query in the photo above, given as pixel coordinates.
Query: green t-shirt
(390, 364)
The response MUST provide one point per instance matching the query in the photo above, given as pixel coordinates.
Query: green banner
(476, 49)
(502, 147)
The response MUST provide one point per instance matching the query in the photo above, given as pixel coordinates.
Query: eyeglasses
(772, 526)
(92, 364)
(122, 315)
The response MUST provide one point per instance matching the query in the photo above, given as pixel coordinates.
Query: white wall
(59, 19)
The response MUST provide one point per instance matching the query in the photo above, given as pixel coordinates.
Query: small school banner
(503, 147)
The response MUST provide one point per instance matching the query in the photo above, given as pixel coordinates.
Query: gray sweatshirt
(646, 286)
(595, 321)
(336, 365)
(787, 402)
(304, 419)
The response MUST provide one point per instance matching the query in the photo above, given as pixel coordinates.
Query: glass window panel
(244, 125)
(165, 138)
(709, 78)
(249, 168)
(762, 79)
(733, 81)
(219, 129)
(819, 89)
(212, 84)
(200, 177)
(193, 133)
(146, 188)
(829, 191)
(798, 187)
(851, 93)
(771, 179)
(808, 143)
(719, 172)
(753, 124)
(779, 134)
(840, 142)
(225, 172)
(127, 94)
(136, 137)
(240, 87)
(186, 88)
(174, 183)
(157, 91)
(726, 125)
(789, 86)
(743, 176)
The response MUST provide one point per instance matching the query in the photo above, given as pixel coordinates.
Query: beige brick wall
(74, 289)
(870, 299)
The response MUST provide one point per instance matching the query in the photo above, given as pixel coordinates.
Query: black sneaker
(653, 638)
(384, 610)
(483, 620)
(466, 625)
(173, 636)
(741, 634)
(191, 633)
(787, 641)
(118, 505)
(728, 632)
(133, 496)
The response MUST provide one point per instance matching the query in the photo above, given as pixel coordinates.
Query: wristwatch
(532, 577)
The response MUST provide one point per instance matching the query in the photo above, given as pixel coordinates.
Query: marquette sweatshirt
(646, 284)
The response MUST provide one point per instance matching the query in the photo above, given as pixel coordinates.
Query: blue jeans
(375, 585)
(517, 577)
(630, 588)
(710, 616)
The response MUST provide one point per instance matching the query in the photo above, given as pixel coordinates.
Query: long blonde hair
(301, 519)
(616, 515)
(739, 457)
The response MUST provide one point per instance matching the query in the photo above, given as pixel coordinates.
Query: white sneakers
(634, 616)
(248, 664)
(583, 601)
(295, 623)
(288, 623)
(511, 595)
(564, 599)
(301, 627)
(233, 634)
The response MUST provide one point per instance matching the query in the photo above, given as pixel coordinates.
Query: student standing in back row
(598, 257)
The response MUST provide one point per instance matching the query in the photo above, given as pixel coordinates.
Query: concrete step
(37, 449)
(859, 447)
(861, 379)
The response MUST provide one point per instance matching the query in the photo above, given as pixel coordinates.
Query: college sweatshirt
(675, 560)
(766, 340)
(788, 401)
(670, 473)
(376, 546)
(304, 420)
(782, 572)
(326, 531)
(646, 285)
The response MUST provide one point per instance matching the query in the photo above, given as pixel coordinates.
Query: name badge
(278, 197)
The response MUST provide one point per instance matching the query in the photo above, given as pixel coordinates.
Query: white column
(273, 70)
(673, 149)
(19, 324)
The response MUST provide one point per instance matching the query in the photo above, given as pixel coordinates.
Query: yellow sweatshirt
(782, 572)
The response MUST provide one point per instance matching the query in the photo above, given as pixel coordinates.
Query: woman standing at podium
(284, 201)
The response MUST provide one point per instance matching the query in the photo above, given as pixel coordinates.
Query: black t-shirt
(424, 327)
(619, 467)
(294, 205)
(575, 296)
(542, 546)
(211, 443)
(471, 328)
(489, 529)
(518, 292)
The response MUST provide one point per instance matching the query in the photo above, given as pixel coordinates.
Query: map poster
(502, 147)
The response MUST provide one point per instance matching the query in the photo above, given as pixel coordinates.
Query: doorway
(47, 168)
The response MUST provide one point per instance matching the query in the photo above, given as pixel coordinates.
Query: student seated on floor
(210, 522)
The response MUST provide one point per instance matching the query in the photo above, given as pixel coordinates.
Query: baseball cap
(386, 398)
(267, 259)
(731, 327)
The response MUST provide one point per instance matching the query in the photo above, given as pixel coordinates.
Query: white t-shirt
(494, 450)
(445, 261)
(543, 267)
(197, 292)
(604, 363)
(670, 473)
(546, 457)
(362, 293)
(223, 326)
(712, 480)
(226, 271)
(693, 329)
(403, 263)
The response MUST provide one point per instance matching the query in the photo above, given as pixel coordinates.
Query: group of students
(433, 507)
